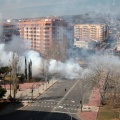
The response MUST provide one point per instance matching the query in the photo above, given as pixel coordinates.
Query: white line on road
(62, 112)
(66, 95)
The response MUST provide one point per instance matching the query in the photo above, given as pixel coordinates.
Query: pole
(10, 89)
(10, 86)
(81, 98)
(32, 91)
(46, 72)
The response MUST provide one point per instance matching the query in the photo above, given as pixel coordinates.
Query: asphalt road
(54, 104)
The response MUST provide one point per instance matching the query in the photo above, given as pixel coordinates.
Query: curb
(26, 103)
(46, 89)
(37, 96)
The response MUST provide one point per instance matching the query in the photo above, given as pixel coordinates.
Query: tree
(21, 77)
(2, 92)
(14, 66)
(104, 73)
(25, 68)
(30, 70)
(4, 71)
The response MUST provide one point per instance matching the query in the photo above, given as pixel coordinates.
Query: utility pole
(46, 71)
(32, 91)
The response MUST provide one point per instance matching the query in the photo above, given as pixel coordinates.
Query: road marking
(66, 94)
(63, 112)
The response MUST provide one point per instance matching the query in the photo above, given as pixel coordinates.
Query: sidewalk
(25, 91)
(90, 110)
(26, 95)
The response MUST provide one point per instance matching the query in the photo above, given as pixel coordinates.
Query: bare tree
(105, 75)
(14, 66)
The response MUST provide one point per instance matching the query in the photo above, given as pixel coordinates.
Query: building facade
(40, 34)
(117, 47)
(9, 29)
(90, 32)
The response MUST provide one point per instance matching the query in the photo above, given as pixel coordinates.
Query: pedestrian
(65, 89)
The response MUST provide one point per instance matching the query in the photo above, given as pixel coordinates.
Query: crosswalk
(52, 107)
(55, 105)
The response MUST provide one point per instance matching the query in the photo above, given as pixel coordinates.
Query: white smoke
(101, 63)
(69, 69)
(1, 29)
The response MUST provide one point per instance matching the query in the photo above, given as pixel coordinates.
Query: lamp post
(10, 85)
(66, 110)
(32, 91)
(81, 100)
(46, 77)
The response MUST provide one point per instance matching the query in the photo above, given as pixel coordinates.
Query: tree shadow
(51, 98)
(36, 115)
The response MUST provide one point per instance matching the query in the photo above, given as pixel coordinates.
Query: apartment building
(117, 47)
(90, 32)
(40, 33)
(9, 29)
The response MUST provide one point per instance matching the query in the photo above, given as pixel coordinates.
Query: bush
(2, 92)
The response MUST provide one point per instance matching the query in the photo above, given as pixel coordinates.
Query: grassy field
(106, 113)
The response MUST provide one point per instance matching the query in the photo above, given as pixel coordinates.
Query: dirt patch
(107, 113)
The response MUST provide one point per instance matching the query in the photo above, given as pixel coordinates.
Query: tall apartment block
(117, 47)
(90, 32)
(41, 33)
(9, 29)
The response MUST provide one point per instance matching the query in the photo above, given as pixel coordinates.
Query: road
(54, 104)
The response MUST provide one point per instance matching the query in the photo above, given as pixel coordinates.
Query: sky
(36, 8)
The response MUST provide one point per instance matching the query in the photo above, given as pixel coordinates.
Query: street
(54, 104)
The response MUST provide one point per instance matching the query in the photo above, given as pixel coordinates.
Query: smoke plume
(68, 69)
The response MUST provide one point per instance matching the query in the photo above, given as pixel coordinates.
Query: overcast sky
(37, 8)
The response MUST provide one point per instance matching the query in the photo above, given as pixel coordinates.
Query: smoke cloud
(1, 24)
(68, 69)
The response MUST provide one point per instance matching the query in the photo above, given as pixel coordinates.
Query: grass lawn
(106, 113)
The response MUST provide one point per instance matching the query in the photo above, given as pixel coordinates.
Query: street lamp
(32, 90)
(46, 77)
(66, 109)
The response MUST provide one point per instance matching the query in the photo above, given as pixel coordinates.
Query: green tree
(21, 77)
(5, 70)
(25, 68)
(2, 92)
(30, 70)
